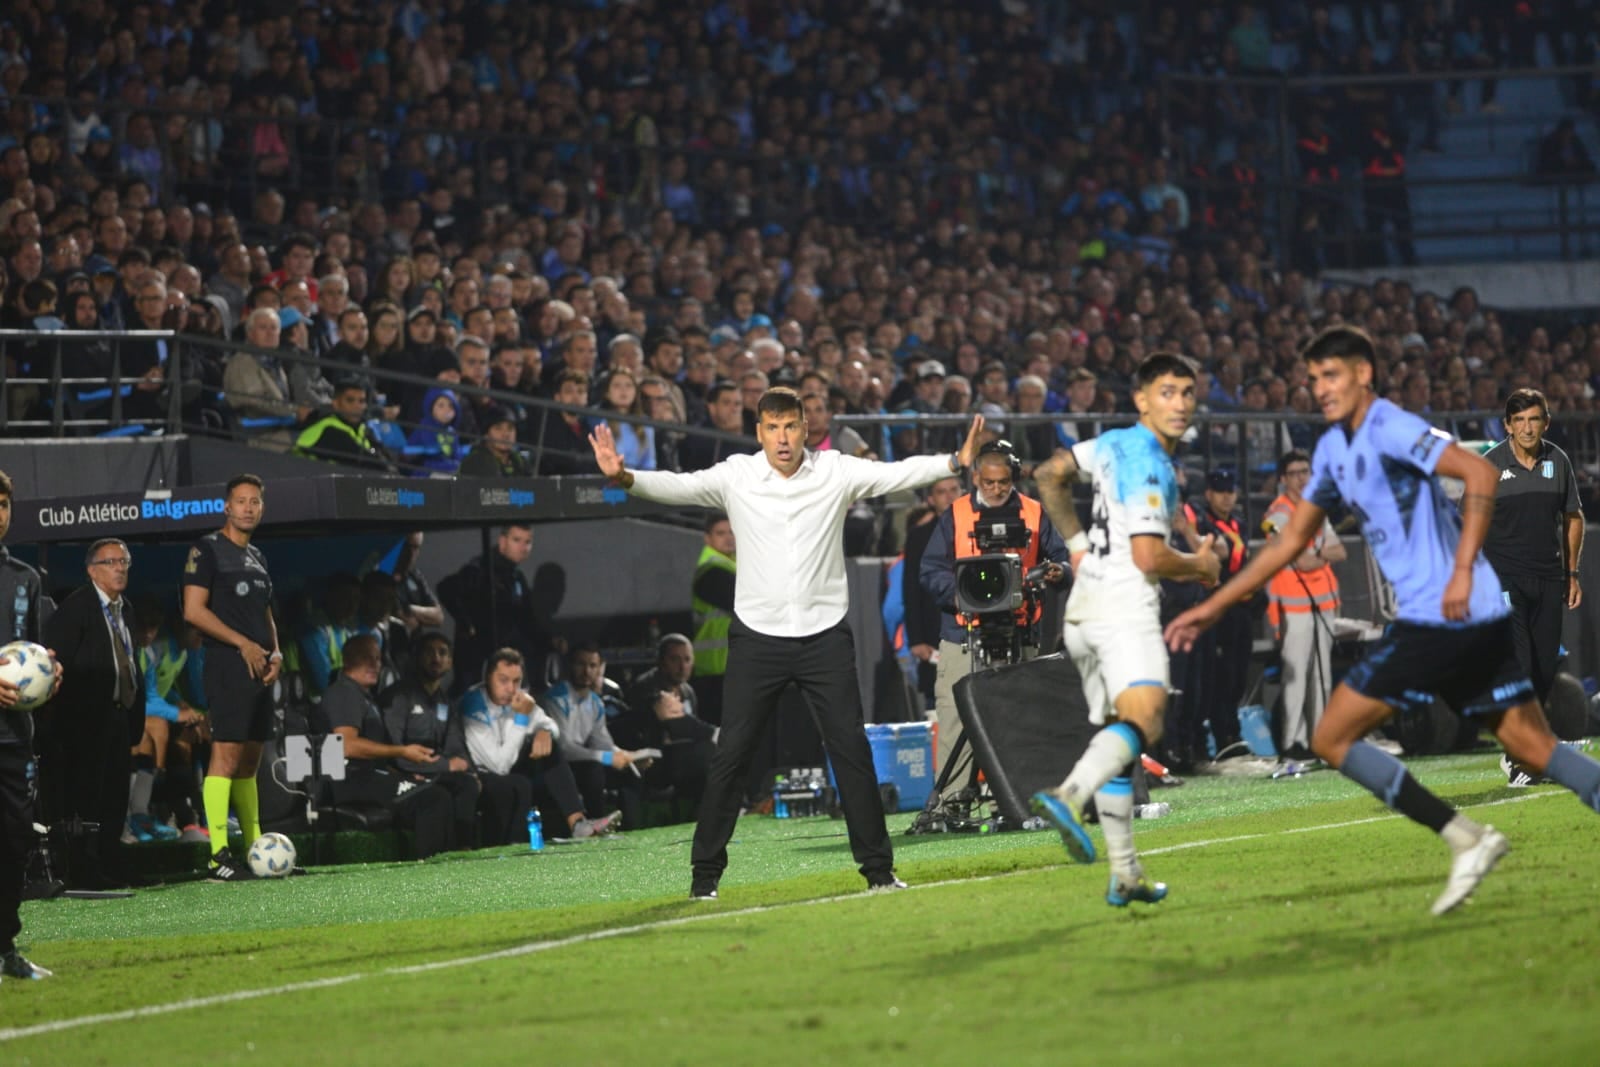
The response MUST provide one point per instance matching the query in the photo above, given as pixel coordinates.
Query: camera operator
(955, 537)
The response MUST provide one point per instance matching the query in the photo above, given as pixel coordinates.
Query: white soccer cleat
(1469, 868)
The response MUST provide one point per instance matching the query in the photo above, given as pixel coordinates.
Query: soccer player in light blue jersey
(1113, 616)
(1452, 634)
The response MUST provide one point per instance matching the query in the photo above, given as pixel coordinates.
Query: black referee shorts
(239, 707)
(1472, 668)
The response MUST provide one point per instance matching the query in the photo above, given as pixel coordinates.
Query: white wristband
(1078, 542)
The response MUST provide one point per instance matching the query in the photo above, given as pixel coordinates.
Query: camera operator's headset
(1000, 448)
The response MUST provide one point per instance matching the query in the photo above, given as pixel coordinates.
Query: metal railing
(1340, 223)
(1250, 443)
(47, 401)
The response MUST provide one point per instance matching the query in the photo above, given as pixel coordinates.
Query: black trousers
(595, 778)
(503, 806)
(1232, 665)
(760, 668)
(507, 798)
(683, 766)
(708, 687)
(16, 836)
(427, 810)
(1537, 607)
(83, 772)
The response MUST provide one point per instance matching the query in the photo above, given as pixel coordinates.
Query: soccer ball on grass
(272, 856)
(28, 667)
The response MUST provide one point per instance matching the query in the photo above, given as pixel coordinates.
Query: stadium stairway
(1492, 158)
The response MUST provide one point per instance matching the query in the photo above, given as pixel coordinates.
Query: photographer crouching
(991, 520)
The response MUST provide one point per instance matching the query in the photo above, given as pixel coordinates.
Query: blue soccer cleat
(1068, 822)
(1121, 892)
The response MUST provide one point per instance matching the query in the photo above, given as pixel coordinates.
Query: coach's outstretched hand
(605, 451)
(969, 447)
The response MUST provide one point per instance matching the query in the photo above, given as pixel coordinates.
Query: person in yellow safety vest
(994, 495)
(322, 645)
(713, 613)
(1302, 600)
(341, 435)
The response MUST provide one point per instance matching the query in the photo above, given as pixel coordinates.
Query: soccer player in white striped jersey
(1113, 623)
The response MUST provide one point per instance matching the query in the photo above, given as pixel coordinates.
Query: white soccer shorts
(1114, 656)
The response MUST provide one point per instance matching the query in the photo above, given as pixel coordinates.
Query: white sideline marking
(534, 947)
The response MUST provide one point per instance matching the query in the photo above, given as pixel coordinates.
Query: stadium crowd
(619, 207)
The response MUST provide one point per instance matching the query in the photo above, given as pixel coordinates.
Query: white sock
(1109, 751)
(1116, 822)
(1461, 833)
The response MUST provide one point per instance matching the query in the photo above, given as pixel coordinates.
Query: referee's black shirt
(1527, 534)
(241, 589)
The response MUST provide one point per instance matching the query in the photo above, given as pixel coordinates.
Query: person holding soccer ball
(19, 588)
(1452, 634)
(227, 596)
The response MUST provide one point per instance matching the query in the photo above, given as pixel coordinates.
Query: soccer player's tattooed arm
(1477, 507)
(1055, 477)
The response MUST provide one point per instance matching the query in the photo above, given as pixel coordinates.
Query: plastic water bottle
(535, 830)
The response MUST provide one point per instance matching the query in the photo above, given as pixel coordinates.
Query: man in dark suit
(88, 730)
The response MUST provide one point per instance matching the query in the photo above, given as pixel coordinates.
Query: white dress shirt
(791, 579)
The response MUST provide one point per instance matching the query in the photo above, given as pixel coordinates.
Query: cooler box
(902, 753)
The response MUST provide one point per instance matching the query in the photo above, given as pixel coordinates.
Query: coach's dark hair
(499, 656)
(715, 519)
(1160, 364)
(779, 400)
(1341, 342)
(1521, 400)
(5, 484)
(1294, 455)
(101, 543)
(243, 479)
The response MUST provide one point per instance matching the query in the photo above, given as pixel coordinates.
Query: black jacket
(20, 603)
(81, 639)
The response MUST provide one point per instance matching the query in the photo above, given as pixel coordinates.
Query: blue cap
(100, 133)
(759, 320)
(288, 317)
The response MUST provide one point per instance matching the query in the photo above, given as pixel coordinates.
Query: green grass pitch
(1297, 931)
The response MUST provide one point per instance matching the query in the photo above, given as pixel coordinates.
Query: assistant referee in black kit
(787, 507)
(1536, 535)
(227, 596)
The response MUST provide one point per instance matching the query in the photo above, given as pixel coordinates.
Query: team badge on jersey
(1548, 468)
(242, 589)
